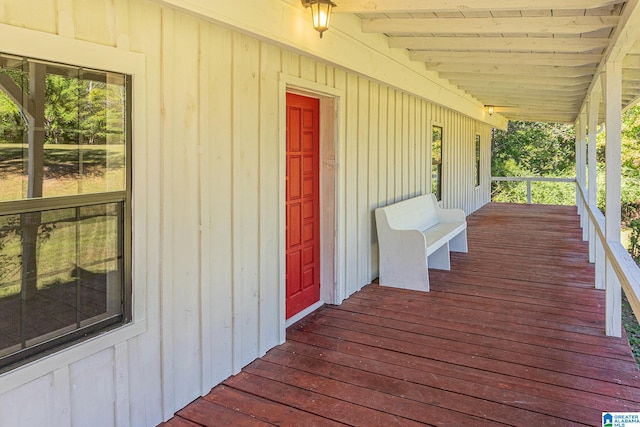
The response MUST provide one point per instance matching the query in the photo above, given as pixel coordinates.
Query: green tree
(12, 123)
(531, 148)
(631, 138)
(61, 109)
(630, 157)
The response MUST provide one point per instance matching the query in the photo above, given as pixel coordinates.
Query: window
(436, 162)
(477, 162)
(65, 218)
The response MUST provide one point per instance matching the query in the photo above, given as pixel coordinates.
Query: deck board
(513, 334)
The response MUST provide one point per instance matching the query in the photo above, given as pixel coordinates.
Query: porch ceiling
(532, 61)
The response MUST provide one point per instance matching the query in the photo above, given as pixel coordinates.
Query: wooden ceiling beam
(417, 6)
(529, 91)
(500, 44)
(463, 77)
(482, 93)
(519, 110)
(519, 25)
(550, 59)
(545, 99)
(530, 104)
(536, 111)
(522, 70)
(558, 90)
(631, 61)
(567, 118)
(630, 74)
(498, 84)
(498, 87)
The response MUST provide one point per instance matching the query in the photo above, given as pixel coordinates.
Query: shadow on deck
(512, 335)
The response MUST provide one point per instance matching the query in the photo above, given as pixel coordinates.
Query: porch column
(613, 117)
(596, 250)
(577, 127)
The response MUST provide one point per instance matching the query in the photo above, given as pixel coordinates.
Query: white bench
(414, 235)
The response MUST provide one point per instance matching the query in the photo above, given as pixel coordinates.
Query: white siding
(208, 205)
(93, 390)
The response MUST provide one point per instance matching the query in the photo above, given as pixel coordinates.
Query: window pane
(9, 281)
(73, 143)
(436, 162)
(61, 270)
(477, 163)
(102, 132)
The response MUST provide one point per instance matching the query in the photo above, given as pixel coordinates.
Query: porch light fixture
(320, 13)
(490, 109)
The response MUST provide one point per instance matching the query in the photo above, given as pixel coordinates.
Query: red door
(303, 203)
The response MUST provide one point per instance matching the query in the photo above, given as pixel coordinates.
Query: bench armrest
(403, 256)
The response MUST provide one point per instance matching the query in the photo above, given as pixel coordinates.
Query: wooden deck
(512, 335)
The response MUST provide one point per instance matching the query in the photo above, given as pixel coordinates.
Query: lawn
(67, 238)
(68, 170)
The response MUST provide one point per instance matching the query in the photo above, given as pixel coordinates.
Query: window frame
(58, 49)
(477, 162)
(64, 337)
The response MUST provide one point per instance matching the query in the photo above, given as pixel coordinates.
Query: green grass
(632, 328)
(629, 320)
(546, 193)
(63, 242)
(68, 170)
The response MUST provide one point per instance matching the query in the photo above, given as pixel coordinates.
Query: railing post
(529, 191)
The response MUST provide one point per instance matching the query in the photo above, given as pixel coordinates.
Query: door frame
(331, 126)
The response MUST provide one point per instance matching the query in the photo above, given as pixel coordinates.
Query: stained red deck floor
(512, 335)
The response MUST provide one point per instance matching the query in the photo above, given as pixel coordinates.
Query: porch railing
(612, 260)
(530, 180)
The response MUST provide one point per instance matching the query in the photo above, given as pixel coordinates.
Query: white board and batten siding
(209, 201)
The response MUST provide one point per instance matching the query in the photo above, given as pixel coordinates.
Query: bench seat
(440, 234)
(415, 235)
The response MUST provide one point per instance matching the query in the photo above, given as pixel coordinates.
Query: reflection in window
(436, 162)
(64, 205)
(76, 278)
(66, 124)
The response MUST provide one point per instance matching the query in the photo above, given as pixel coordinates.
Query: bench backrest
(417, 213)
